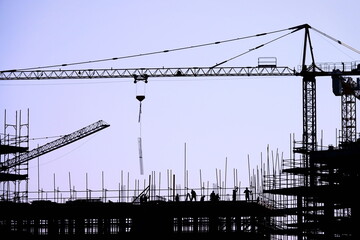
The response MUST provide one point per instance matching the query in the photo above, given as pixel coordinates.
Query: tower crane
(307, 72)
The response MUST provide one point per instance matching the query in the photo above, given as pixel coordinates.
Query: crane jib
(149, 72)
(318, 70)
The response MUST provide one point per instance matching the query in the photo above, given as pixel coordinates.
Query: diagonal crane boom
(51, 146)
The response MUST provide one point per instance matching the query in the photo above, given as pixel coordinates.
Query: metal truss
(58, 143)
(149, 72)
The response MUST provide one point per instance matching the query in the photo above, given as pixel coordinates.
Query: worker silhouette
(193, 195)
(247, 194)
(143, 198)
(217, 197)
(234, 193)
(212, 196)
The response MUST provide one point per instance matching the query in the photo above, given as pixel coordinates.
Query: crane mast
(349, 90)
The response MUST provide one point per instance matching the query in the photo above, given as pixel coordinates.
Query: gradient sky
(223, 121)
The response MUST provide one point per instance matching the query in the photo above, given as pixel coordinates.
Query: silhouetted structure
(312, 196)
(317, 199)
(81, 219)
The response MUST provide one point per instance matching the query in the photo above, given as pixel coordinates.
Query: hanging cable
(149, 53)
(338, 41)
(141, 163)
(40, 138)
(140, 82)
(252, 49)
(139, 119)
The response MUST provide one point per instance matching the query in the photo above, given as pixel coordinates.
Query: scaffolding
(283, 204)
(13, 142)
(323, 208)
(15, 156)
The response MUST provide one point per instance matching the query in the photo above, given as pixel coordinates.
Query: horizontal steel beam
(149, 72)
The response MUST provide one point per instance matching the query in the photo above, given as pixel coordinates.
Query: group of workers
(213, 196)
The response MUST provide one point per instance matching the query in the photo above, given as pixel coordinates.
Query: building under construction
(311, 196)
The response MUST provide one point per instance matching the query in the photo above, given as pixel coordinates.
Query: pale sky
(221, 120)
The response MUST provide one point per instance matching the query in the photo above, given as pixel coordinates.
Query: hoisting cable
(252, 49)
(149, 53)
(139, 119)
(140, 96)
(338, 41)
(140, 146)
(40, 138)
